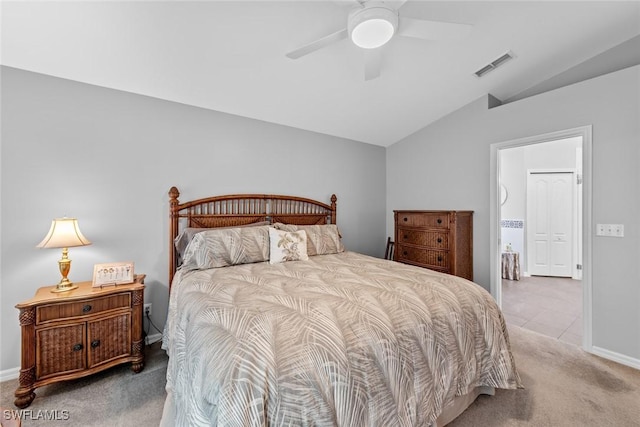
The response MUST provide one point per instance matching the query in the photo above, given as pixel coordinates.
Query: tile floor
(551, 306)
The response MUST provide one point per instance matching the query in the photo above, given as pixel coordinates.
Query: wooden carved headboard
(242, 209)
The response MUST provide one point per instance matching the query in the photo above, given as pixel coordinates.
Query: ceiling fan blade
(318, 44)
(432, 30)
(396, 4)
(372, 63)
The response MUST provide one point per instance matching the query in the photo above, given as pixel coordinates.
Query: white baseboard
(9, 374)
(616, 357)
(153, 338)
(13, 373)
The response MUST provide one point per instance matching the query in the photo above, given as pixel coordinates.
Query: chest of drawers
(438, 240)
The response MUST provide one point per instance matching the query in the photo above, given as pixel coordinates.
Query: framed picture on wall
(115, 273)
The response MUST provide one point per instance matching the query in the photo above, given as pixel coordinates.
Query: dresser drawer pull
(405, 219)
(439, 258)
(404, 253)
(439, 239)
(406, 236)
(87, 308)
(439, 221)
(77, 347)
(95, 343)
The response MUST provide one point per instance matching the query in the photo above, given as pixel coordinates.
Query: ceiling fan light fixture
(373, 26)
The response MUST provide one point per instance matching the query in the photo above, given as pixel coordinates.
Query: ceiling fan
(371, 24)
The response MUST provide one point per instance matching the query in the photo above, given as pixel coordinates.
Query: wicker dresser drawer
(66, 310)
(431, 219)
(438, 240)
(430, 239)
(426, 257)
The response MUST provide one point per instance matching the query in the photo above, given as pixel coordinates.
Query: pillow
(182, 240)
(321, 239)
(221, 247)
(287, 246)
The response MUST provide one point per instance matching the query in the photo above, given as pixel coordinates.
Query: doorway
(548, 255)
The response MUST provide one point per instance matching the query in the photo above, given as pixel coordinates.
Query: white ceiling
(229, 56)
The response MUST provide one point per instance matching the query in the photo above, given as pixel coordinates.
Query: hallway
(551, 306)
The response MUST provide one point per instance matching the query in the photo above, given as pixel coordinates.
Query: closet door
(549, 223)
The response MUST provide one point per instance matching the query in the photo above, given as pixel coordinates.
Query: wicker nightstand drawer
(60, 350)
(85, 307)
(109, 338)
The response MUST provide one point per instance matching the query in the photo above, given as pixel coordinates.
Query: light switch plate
(618, 230)
(610, 230)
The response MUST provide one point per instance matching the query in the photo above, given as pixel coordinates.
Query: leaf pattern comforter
(342, 339)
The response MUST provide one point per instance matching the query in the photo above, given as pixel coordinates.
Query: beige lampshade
(64, 233)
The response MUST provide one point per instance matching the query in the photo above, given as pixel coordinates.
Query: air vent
(495, 64)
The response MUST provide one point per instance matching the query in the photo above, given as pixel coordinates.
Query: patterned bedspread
(343, 339)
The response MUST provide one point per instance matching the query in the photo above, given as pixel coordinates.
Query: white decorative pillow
(287, 246)
(321, 239)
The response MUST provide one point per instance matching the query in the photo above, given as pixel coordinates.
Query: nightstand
(77, 333)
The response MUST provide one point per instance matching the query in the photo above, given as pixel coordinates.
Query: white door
(549, 223)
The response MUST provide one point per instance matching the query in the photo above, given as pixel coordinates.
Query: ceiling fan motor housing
(372, 26)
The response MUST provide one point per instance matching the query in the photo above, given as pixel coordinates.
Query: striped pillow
(321, 239)
(227, 246)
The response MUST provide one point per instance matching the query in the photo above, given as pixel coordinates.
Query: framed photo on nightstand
(115, 273)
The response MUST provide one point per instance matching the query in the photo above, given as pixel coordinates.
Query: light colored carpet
(564, 387)
(113, 398)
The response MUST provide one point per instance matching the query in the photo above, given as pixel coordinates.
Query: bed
(272, 322)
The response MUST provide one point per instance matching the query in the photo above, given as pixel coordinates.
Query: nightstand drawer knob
(87, 308)
(439, 221)
(439, 258)
(439, 239)
(77, 347)
(405, 219)
(95, 343)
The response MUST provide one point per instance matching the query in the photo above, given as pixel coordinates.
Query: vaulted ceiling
(229, 56)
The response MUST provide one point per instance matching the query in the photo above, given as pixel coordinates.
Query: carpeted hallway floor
(564, 387)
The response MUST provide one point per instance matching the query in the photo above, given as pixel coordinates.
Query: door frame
(495, 244)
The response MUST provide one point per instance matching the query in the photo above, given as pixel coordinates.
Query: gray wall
(446, 166)
(109, 159)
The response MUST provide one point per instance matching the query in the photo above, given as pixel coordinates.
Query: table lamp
(64, 233)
